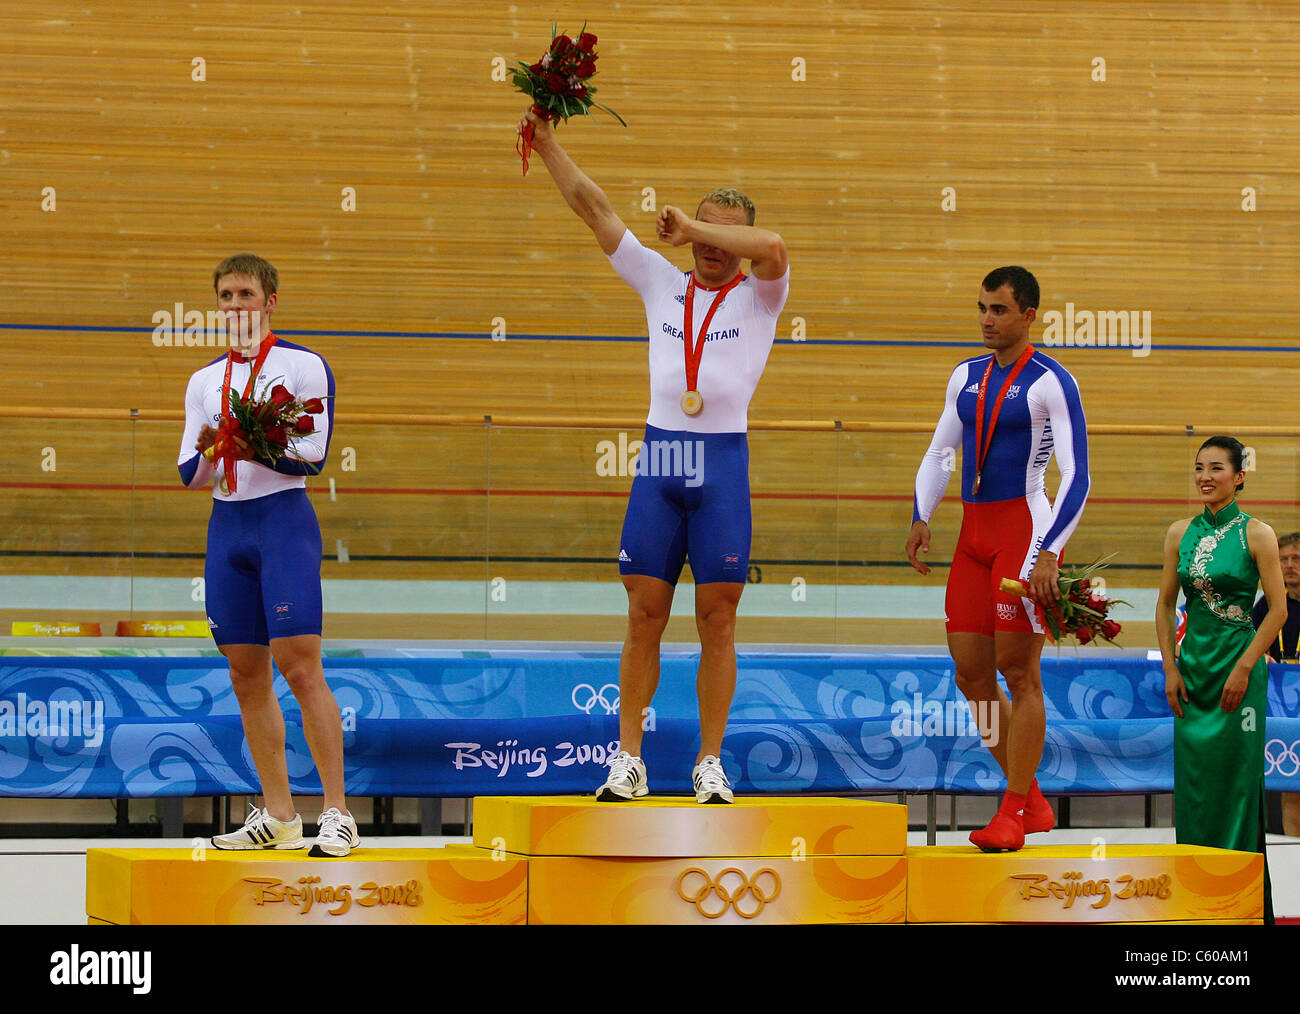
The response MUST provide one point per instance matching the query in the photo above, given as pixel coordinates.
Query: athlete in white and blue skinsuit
(262, 568)
(700, 512)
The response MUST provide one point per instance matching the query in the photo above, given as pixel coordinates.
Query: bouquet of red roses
(559, 84)
(265, 425)
(1083, 612)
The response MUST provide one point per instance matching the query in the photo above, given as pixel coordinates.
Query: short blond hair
(249, 264)
(728, 197)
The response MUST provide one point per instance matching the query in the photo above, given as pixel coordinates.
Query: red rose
(1085, 584)
(1097, 602)
(278, 435)
(554, 83)
(586, 68)
(577, 91)
(561, 44)
(1083, 634)
(586, 42)
(313, 405)
(1110, 628)
(280, 396)
(305, 424)
(537, 68)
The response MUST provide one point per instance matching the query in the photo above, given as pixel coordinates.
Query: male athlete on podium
(710, 330)
(1008, 412)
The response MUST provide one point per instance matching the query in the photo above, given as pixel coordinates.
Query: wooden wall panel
(1124, 194)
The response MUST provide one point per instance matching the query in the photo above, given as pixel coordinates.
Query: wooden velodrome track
(142, 144)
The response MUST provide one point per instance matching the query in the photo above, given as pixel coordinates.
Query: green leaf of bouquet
(611, 112)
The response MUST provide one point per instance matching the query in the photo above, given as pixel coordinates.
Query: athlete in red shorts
(1008, 413)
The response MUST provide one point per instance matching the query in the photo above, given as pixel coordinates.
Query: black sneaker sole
(318, 853)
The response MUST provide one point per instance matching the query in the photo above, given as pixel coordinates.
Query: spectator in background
(1285, 649)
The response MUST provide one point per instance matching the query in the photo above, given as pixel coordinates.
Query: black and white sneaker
(626, 780)
(262, 831)
(711, 785)
(336, 835)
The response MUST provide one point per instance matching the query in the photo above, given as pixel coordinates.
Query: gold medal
(692, 402)
(221, 485)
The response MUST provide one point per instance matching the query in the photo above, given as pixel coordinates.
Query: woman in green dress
(1217, 685)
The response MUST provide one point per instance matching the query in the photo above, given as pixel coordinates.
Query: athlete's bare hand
(542, 132)
(918, 539)
(207, 437)
(1043, 580)
(672, 226)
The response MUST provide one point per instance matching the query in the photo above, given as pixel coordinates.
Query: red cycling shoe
(1037, 814)
(1005, 833)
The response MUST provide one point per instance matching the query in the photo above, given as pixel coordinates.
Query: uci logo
(585, 697)
(1283, 761)
(732, 889)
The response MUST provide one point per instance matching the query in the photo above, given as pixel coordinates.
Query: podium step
(678, 827)
(458, 884)
(757, 890)
(1084, 884)
(760, 861)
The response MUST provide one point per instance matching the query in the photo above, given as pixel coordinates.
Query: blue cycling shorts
(689, 499)
(262, 573)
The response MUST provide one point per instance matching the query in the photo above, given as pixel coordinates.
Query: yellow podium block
(675, 827)
(669, 860)
(452, 885)
(752, 890)
(1065, 884)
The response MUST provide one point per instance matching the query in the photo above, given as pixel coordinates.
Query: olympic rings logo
(1288, 756)
(594, 697)
(733, 893)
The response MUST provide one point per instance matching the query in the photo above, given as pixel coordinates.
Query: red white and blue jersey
(1042, 415)
(305, 374)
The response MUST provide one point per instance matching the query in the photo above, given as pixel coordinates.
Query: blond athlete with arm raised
(710, 332)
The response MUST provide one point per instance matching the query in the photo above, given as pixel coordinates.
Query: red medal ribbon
(227, 423)
(981, 444)
(695, 352)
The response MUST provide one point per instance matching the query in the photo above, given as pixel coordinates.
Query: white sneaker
(262, 831)
(337, 835)
(711, 785)
(626, 780)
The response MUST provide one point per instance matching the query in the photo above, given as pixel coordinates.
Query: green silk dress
(1219, 755)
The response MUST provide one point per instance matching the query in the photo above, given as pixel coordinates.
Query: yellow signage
(1072, 886)
(272, 890)
(54, 629)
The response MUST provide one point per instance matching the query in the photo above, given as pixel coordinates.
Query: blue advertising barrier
(499, 722)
